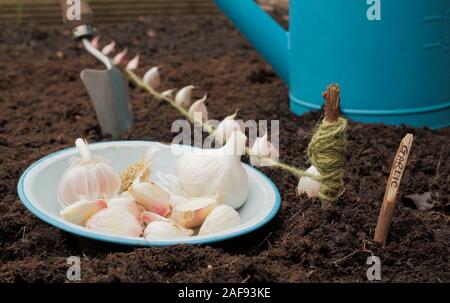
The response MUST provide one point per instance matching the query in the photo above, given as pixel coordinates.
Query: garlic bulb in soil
(152, 197)
(115, 221)
(159, 229)
(221, 218)
(194, 211)
(152, 77)
(226, 128)
(88, 178)
(208, 172)
(79, 212)
(309, 186)
(263, 151)
(126, 203)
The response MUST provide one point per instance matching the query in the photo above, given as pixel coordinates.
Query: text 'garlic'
(309, 186)
(126, 203)
(210, 171)
(88, 178)
(221, 218)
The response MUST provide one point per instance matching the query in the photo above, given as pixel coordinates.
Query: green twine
(326, 152)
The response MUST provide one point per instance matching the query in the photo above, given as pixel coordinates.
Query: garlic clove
(151, 197)
(96, 42)
(148, 217)
(198, 110)
(115, 221)
(79, 212)
(126, 203)
(184, 96)
(226, 128)
(168, 93)
(263, 152)
(193, 212)
(109, 48)
(177, 199)
(165, 229)
(88, 178)
(120, 58)
(152, 77)
(134, 63)
(221, 218)
(309, 186)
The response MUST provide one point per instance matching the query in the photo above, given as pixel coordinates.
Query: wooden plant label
(392, 187)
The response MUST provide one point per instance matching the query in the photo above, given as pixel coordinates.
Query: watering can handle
(78, 18)
(266, 35)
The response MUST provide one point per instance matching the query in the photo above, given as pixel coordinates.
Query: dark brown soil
(44, 107)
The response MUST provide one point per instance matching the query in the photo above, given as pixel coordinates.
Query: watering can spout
(266, 35)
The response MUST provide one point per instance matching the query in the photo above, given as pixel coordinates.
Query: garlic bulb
(309, 186)
(79, 212)
(165, 229)
(193, 212)
(225, 128)
(263, 152)
(198, 108)
(221, 218)
(88, 178)
(115, 221)
(184, 96)
(208, 172)
(126, 203)
(152, 77)
(151, 197)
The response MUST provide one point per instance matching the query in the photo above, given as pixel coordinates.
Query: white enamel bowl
(37, 190)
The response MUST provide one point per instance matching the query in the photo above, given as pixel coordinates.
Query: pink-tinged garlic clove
(79, 212)
(184, 96)
(151, 197)
(134, 63)
(126, 203)
(109, 48)
(152, 77)
(193, 213)
(115, 221)
(120, 58)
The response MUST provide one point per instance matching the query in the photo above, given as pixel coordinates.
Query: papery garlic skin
(225, 128)
(221, 218)
(184, 96)
(208, 172)
(152, 77)
(309, 186)
(199, 108)
(263, 152)
(126, 203)
(193, 212)
(88, 178)
(165, 229)
(79, 212)
(115, 221)
(151, 197)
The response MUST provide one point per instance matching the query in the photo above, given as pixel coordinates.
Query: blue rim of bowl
(138, 241)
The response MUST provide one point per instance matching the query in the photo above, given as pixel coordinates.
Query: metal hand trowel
(107, 89)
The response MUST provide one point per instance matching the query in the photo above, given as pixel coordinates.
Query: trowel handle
(78, 18)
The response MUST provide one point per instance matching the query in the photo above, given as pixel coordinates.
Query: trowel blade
(109, 94)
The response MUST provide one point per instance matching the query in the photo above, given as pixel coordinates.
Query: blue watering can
(390, 57)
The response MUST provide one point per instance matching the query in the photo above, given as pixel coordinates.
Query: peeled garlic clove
(207, 172)
(152, 77)
(88, 178)
(115, 221)
(109, 48)
(168, 93)
(126, 203)
(148, 217)
(134, 63)
(226, 128)
(184, 96)
(198, 110)
(263, 152)
(151, 197)
(165, 229)
(221, 218)
(309, 186)
(193, 212)
(79, 212)
(120, 58)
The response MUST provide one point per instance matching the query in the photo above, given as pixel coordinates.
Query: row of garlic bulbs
(89, 190)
